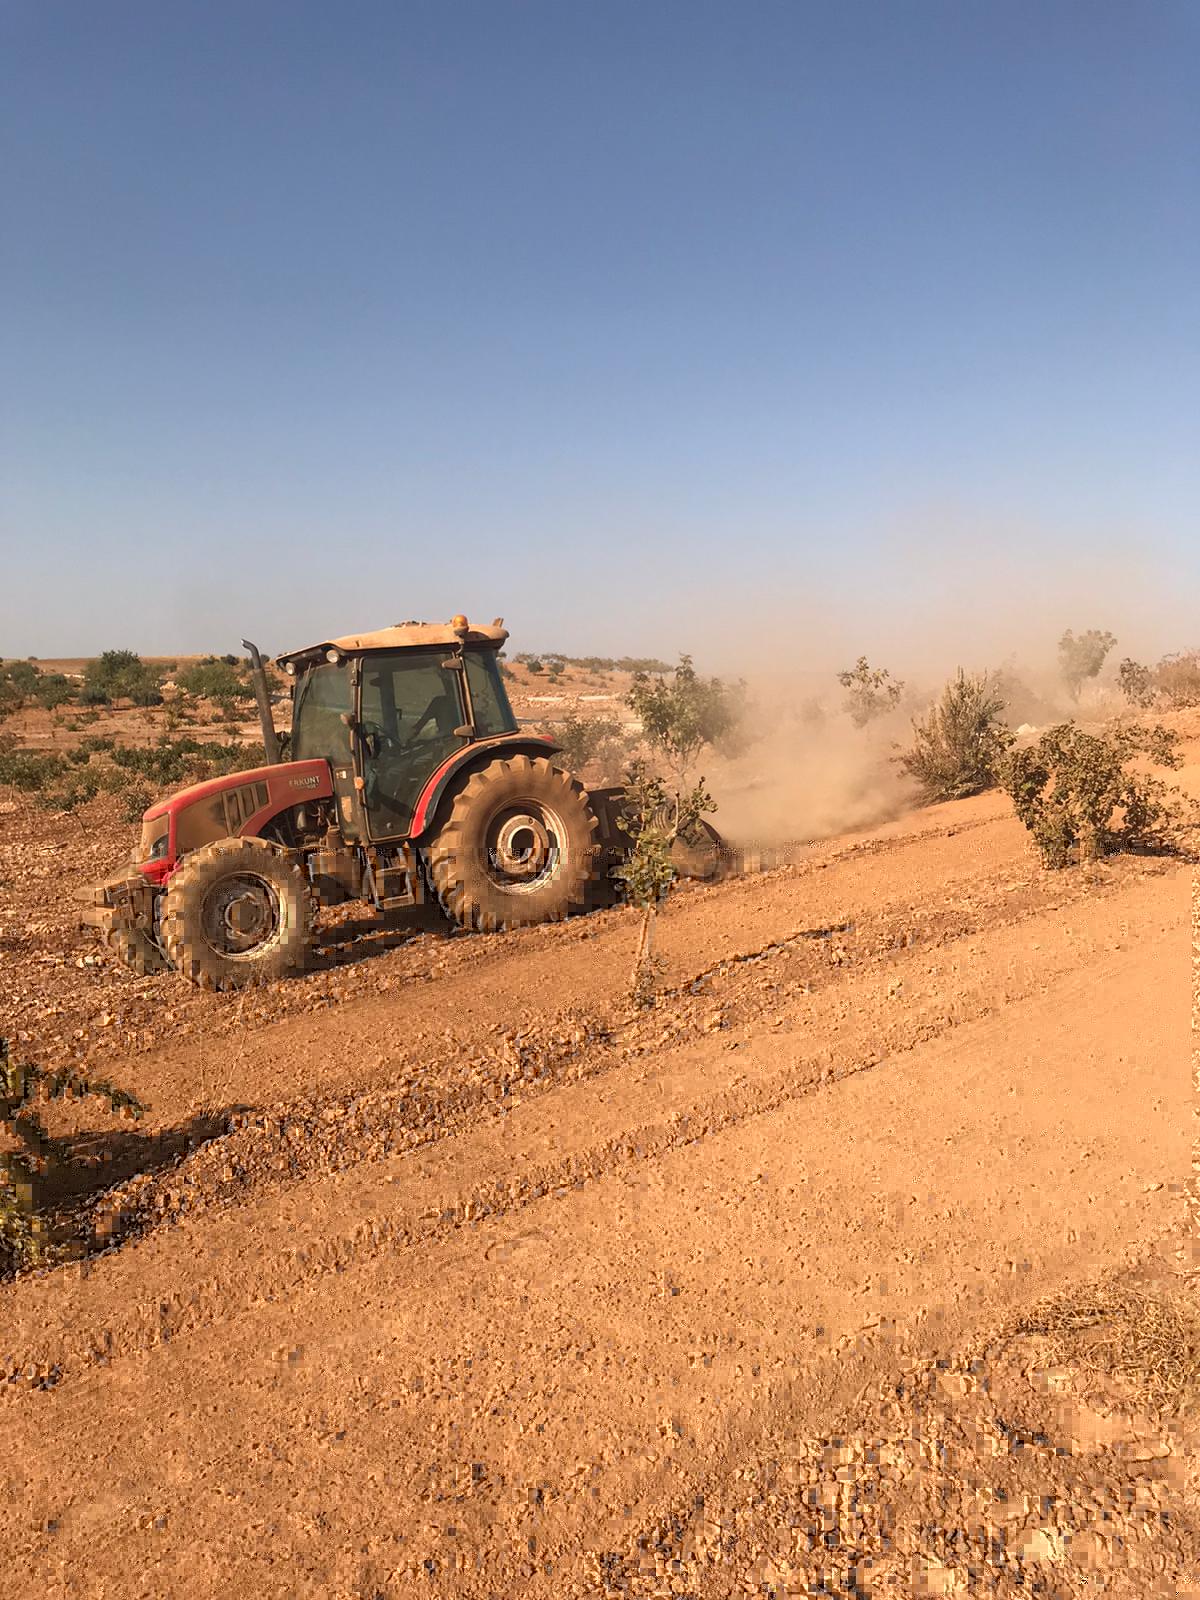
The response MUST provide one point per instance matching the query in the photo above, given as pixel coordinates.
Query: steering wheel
(377, 739)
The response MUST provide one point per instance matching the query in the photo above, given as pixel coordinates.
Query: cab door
(410, 713)
(322, 716)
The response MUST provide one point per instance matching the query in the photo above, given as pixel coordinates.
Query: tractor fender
(465, 761)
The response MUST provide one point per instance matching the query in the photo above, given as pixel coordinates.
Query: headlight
(156, 839)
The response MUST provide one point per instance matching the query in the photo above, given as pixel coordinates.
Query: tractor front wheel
(517, 847)
(237, 911)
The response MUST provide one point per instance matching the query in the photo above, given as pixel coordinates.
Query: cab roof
(404, 636)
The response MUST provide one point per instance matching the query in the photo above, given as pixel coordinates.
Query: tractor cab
(387, 710)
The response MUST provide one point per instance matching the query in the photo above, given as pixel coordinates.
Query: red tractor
(407, 778)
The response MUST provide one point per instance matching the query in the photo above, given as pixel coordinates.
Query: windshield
(318, 731)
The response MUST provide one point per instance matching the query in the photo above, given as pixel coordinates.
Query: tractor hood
(288, 783)
(238, 803)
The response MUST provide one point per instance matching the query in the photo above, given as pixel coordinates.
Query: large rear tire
(237, 912)
(517, 847)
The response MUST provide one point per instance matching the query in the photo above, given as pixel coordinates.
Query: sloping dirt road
(491, 1272)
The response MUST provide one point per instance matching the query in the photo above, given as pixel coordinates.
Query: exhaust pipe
(263, 695)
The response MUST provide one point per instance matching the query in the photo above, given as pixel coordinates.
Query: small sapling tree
(654, 817)
(870, 691)
(679, 718)
(1080, 657)
(683, 715)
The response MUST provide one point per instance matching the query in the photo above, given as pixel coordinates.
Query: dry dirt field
(857, 1265)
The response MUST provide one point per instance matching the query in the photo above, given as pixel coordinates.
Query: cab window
(489, 699)
(323, 695)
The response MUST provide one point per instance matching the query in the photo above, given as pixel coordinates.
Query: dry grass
(1147, 1339)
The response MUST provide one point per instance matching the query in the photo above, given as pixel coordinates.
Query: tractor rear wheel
(237, 911)
(517, 847)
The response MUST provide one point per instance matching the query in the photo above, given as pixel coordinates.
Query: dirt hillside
(442, 1271)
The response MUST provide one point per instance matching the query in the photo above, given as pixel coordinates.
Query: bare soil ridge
(496, 1287)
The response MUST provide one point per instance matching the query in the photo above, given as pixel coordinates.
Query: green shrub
(23, 675)
(64, 782)
(137, 801)
(1075, 794)
(53, 690)
(120, 675)
(24, 1239)
(959, 743)
(1136, 683)
(80, 786)
(169, 764)
(595, 663)
(18, 683)
(589, 740)
(29, 770)
(215, 680)
(1178, 678)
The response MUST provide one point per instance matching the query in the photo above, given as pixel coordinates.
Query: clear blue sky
(613, 318)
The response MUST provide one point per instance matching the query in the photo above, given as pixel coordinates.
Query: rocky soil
(855, 1265)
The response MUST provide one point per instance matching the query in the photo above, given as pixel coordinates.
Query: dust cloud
(808, 772)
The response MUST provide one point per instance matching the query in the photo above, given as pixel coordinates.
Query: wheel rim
(240, 916)
(523, 848)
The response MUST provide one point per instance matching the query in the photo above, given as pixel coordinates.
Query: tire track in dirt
(684, 1104)
(67, 1001)
(966, 1472)
(589, 1394)
(490, 1072)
